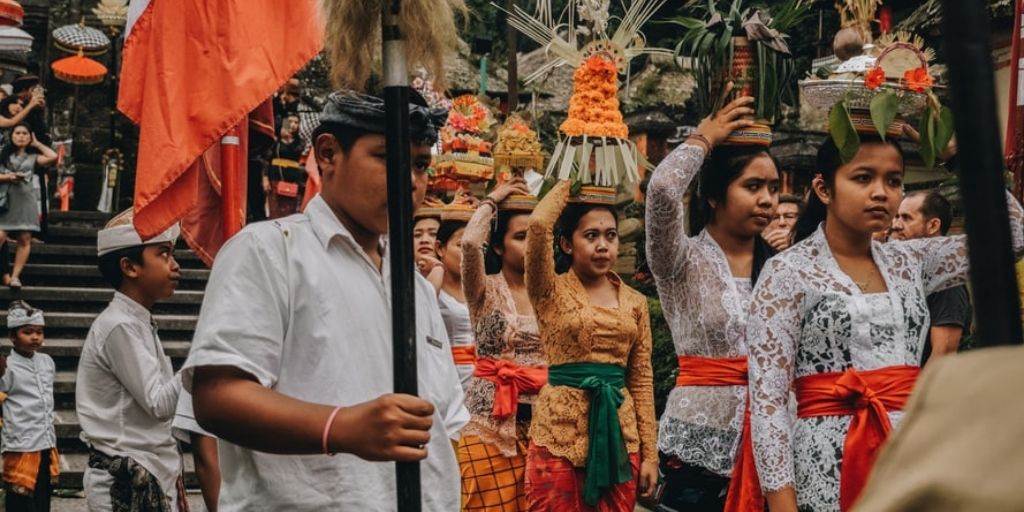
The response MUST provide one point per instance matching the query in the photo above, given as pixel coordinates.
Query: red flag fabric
(191, 70)
(312, 179)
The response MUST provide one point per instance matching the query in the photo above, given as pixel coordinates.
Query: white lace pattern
(706, 310)
(808, 317)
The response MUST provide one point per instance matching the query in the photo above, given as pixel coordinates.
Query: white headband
(19, 317)
(124, 236)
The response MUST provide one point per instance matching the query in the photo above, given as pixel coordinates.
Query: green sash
(607, 460)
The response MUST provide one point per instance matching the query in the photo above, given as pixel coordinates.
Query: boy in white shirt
(31, 463)
(292, 361)
(126, 391)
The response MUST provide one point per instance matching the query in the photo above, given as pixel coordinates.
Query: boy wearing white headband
(126, 391)
(29, 442)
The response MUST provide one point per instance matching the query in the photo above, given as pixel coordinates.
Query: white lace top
(808, 317)
(460, 331)
(706, 310)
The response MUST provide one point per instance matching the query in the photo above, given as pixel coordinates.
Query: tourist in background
(20, 192)
(779, 233)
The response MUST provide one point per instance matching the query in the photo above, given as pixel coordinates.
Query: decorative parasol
(11, 13)
(15, 62)
(79, 70)
(593, 146)
(81, 38)
(14, 39)
(112, 13)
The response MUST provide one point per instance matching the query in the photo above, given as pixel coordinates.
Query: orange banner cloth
(191, 70)
(510, 380)
(867, 396)
(744, 487)
(464, 354)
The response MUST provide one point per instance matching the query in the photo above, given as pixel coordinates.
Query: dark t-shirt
(951, 307)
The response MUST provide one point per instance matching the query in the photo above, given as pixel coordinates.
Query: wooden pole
(230, 149)
(403, 301)
(969, 55)
(512, 41)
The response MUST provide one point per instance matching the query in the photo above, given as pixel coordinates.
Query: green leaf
(574, 189)
(884, 108)
(687, 23)
(927, 144)
(943, 130)
(843, 133)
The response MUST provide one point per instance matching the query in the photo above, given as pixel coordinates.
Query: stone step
(73, 465)
(88, 276)
(84, 321)
(86, 255)
(34, 294)
(72, 348)
(71, 234)
(92, 218)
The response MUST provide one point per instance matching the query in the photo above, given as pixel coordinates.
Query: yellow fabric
(491, 482)
(573, 330)
(21, 469)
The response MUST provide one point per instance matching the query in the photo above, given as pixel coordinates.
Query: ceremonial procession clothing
(706, 309)
(460, 334)
(809, 318)
(125, 395)
(28, 408)
(297, 304)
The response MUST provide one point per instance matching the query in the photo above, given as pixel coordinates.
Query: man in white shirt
(292, 356)
(126, 391)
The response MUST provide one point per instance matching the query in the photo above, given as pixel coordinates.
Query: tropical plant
(709, 42)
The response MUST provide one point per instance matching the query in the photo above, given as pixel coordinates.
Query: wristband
(327, 429)
(701, 139)
(488, 201)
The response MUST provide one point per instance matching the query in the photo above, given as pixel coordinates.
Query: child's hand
(390, 428)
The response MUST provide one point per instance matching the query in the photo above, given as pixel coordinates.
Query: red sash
(744, 488)
(464, 355)
(510, 380)
(867, 396)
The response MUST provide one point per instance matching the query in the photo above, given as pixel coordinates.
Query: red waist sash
(744, 488)
(867, 396)
(509, 381)
(464, 354)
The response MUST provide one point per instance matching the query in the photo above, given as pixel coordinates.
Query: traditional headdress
(876, 96)
(20, 314)
(746, 46)
(460, 209)
(120, 233)
(365, 112)
(466, 143)
(518, 147)
(593, 146)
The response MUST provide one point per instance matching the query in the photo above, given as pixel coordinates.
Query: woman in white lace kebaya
(705, 283)
(510, 365)
(841, 320)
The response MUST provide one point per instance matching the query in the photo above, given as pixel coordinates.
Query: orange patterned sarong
(21, 470)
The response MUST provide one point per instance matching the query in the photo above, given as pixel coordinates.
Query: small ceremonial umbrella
(12, 14)
(79, 70)
(81, 38)
(14, 39)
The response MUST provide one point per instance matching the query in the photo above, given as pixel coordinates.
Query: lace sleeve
(944, 262)
(540, 248)
(474, 244)
(773, 332)
(640, 383)
(665, 215)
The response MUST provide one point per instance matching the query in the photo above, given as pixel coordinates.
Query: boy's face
(356, 182)
(27, 339)
(159, 273)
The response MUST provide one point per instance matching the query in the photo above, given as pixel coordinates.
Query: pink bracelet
(327, 429)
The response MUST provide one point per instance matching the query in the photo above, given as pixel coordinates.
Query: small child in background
(31, 463)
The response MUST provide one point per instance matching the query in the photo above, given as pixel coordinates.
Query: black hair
(492, 260)
(935, 206)
(829, 161)
(723, 166)
(110, 264)
(566, 226)
(345, 135)
(448, 229)
(9, 148)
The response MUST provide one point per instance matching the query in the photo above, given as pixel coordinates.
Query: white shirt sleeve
(451, 404)
(244, 315)
(138, 370)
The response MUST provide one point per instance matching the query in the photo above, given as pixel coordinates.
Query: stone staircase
(62, 279)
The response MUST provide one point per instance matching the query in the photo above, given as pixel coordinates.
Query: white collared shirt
(185, 424)
(299, 305)
(28, 410)
(126, 391)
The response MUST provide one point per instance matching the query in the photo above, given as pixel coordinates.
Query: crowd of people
(534, 357)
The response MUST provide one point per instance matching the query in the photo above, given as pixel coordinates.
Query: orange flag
(191, 70)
